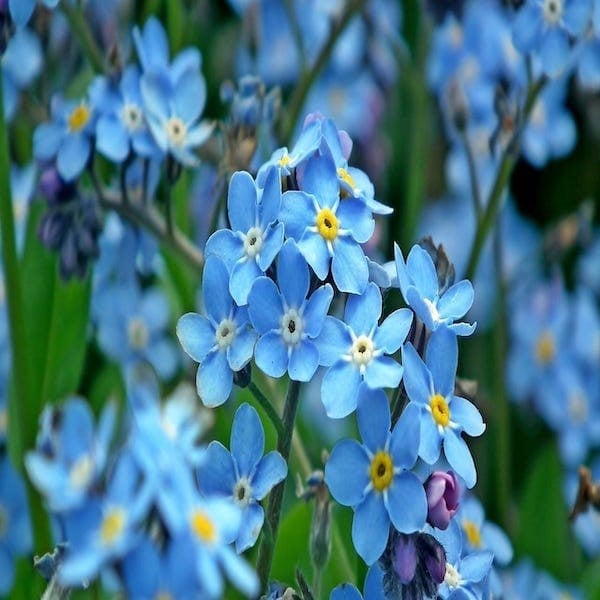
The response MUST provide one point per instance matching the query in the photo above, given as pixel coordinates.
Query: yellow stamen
(382, 471)
(285, 160)
(440, 411)
(327, 224)
(79, 118)
(202, 527)
(545, 348)
(346, 177)
(112, 526)
(472, 532)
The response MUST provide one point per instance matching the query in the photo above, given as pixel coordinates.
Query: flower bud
(443, 494)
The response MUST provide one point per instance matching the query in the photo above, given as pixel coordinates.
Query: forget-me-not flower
(373, 477)
(222, 341)
(442, 415)
(357, 350)
(287, 321)
(244, 475)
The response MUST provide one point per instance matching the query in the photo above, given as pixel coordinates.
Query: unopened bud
(242, 377)
(443, 494)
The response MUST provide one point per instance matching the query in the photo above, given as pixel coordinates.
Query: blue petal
(476, 566)
(442, 359)
(404, 445)
(196, 136)
(333, 341)
(270, 202)
(247, 439)
(390, 335)
(252, 522)
(239, 572)
(430, 442)
(339, 390)
(554, 51)
(272, 242)
(374, 583)
(349, 266)
(297, 213)
(271, 354)
(417, 379)
(383, 371)
(456, 301)
(406, 503)
(404, 279)
(527, 27)
(577, 16)
(226, 245)
(243, 275)
(208, 573)
(73, 156)
(460, 459)
(345, 591)
(270, 470)
(422, 309)
(356, 217)
(370, 528)
(20, 11)
(241, 202)
(214, 379)
(374, 419)
(315, 251)
(112, 139)
(467, 416)
(497, 541)
(216, 474)
(240, 352)
(304, 361)
(292, 275)
(264, 306)
(153, 89)
(362, 312)
(422, 272)
(188, 99)
(215, 289)
(320, 179)
(316, 310)
(347, 472)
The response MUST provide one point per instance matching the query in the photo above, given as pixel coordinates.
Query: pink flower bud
(443, 494)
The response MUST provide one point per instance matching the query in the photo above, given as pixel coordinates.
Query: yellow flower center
(440, 411)
(202, 527)
(545, 348)
(327, 224)
(285, 160)
(382, 471)
(346, 177)
(79, 118)
(112, 526)
(472, 532)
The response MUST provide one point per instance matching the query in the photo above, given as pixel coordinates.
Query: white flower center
(433, 311)
(81, 472)
(553, 11)
(225, 333)
(362, 351)
(242, 492)
(132, 117)
(176, 131)
(138, 333)
(253, 241)
(452, 577)
(291, 327)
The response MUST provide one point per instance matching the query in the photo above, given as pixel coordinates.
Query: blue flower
(255, 237)
(22, 187)
(21, 10)
(373, 478)
(16, 538)
(222, 342)
(373, 587)
(419, 285)
(329, 231)
(443, 416)
(70, 455)
(244, 475)
(357, 350)
(544, 28)
(68, 138)
(286, 320)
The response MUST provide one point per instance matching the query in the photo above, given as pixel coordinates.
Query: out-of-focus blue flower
(373, 477)
(287, 321)
(68, 138)
(71, 453)
(132, 327)
(121, 127)
(588, 273)
(357, 349)
(105, 528)
(373, 587)
(418, 282)
(443, 416)
(16, 538)
(588, 54)
(244, 475)
(329, 230)
(222, 342)
(21, 10)
(255, 237)
(21, 63)
(22, 184)
(545, 28)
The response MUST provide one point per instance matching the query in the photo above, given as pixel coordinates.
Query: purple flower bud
(404, 559)
(443, 494)
(433, 556)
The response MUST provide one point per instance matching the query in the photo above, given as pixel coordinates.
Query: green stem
(284, 443)
(22, 410)
(267, 407)
(505, 170)
(80, 26)
(310, 76)
(474, 178)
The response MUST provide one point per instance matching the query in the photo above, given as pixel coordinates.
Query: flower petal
(362, 312)
(406, 503)
(347, 472)
(390, 335)
(214, 379)
(339, 390)
(247, 439)
(370, 528)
